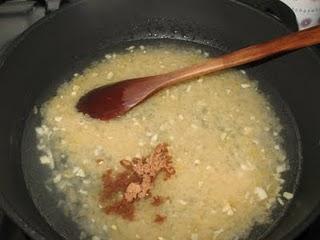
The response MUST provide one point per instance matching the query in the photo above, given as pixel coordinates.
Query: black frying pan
(68, 40)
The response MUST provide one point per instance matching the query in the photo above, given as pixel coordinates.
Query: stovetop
(18, 15)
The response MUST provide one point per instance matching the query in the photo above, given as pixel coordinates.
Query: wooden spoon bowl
(114, 100)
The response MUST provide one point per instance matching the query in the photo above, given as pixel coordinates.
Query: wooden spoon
(113, 100)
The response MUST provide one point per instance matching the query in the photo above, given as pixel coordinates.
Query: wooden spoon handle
(289, 42)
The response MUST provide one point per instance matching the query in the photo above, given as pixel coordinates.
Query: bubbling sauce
(222, 135)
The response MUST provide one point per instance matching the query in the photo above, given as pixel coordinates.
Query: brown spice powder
(160, 218)
(123, 208)
(135, 182)
(157, 201)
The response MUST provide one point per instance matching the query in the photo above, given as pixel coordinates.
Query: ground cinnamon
(134, 183)
(160, 218)
(157, 201)
(123, 208)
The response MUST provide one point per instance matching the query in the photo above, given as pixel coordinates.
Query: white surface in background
(306, 11)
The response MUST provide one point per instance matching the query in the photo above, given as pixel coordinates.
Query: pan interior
(36, 174)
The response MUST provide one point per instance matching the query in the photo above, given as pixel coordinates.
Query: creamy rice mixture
(222, 133)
